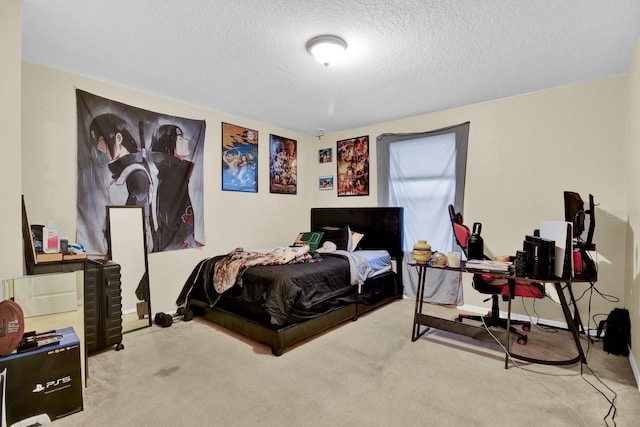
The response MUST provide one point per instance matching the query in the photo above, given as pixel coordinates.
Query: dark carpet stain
(166, 372)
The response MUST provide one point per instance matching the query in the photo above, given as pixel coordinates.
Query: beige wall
(232, 219)
(523, 153)
(10, 64)
(632, 154)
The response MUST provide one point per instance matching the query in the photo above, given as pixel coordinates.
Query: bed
(312, 296)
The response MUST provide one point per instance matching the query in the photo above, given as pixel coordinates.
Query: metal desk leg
(422, 273)
(576, 314)
(570, 320)
(512, 289)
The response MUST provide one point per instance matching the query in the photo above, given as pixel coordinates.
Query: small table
(573, 320)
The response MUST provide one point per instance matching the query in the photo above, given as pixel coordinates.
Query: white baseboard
(554, 323)
(483, 310)
(515, 316)
(634, 368)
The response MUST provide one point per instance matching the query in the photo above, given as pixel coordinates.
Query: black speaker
(521, 264)
(540, 257)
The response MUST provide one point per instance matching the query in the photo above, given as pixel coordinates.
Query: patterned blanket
(229, 268)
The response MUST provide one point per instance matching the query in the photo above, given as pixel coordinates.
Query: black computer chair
(488, 284)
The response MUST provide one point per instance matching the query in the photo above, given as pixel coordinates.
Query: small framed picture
(325, 183)
(324, 155)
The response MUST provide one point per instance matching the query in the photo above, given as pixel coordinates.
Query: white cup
(454, 259)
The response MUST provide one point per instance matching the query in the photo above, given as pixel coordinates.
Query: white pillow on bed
(355, 240)
(327, 247)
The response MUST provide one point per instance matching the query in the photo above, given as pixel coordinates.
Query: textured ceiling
(248, 58)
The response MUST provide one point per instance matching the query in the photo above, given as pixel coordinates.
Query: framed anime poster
(239, 159)
(353, 166)
(283, 172)
(324, 155)
(325, 183)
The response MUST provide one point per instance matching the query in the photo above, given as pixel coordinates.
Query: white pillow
(327, 247)
(355, 239)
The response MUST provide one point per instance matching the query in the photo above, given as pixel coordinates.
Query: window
(424, 173)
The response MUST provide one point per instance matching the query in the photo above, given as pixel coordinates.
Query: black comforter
(282, 291)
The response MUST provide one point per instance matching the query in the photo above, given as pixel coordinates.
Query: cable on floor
(613, 410)
(611, 414)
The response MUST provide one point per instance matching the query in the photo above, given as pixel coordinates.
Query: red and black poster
(353, 166)
(283, 165)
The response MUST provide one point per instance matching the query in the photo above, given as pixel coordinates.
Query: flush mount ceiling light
(326, 49)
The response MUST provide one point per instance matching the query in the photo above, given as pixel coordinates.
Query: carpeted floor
(363, 373)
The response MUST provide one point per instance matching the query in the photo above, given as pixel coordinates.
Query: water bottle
(475, 244)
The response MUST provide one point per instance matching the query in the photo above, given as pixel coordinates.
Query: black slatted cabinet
(102, 306)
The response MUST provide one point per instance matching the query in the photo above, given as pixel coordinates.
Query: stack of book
(489, 266)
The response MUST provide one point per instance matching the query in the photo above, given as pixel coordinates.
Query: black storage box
(42, 385)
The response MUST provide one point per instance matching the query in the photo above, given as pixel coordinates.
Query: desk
(63, 266)
(573, 320)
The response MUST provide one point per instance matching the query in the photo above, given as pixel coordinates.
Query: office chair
(487, 284)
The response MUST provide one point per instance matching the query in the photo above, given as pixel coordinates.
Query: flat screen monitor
(574, 212)
(592, 220)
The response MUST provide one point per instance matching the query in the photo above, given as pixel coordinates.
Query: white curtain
(424, 173)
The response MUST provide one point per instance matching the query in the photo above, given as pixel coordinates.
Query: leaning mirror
(127, 247)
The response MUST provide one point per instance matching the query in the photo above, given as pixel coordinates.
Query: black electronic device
(540, 257)
(592, 222)
(32, 340)
(575, 213)
(531, 251)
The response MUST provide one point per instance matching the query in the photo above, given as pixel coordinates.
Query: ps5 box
(43, 384)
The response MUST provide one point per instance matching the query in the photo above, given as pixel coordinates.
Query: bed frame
(382, 227)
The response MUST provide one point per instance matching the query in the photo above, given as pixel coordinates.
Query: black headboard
(382, 227)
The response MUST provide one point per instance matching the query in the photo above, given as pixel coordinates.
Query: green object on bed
(311, 238)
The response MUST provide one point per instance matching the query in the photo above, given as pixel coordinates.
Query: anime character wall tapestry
(130, 156)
